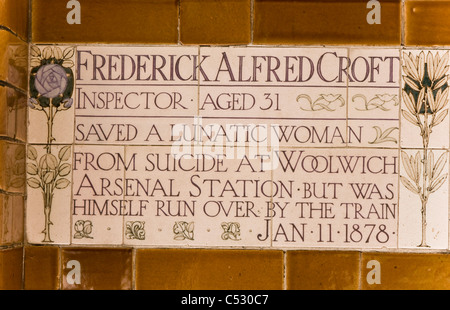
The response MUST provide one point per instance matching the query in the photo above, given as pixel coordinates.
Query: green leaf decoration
(68, 63)
(32, 169)
(48, 177)
(57, 53)
(17, 182)
(62, 183)
(35, 51)
(64, 170)
(48, 161)
(32, 153)
(78, 235)
(64, 153)
(409, 185)
(68, 53)
(33, 183)
(47, 53)
(406, 160)
(439, 118)
(383, 136)
(438, 183)
(409, 117)
(439, 167)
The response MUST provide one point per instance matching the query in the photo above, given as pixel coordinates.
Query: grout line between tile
(18, 89)
(285, 270)
(360, 271)
(30, 10)
(399, 143)
(133, 269)
(402, 22)
(179, 22)
(5, 28)
(252, 19)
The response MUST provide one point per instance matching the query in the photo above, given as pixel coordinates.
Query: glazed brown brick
(14, 15)
(407, 271)
(100, 268)
(42, 268)
(116, 21)
(13, 60)
(427, 22)
(12, 113)
(12, 167)
(322, 270)
(215, 22)
(11, 219)
(324, 22)
(192, 269)
(11, 268)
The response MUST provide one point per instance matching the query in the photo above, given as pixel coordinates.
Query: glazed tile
(12, 176)
(374, 67)
(14, 16)
(158, 24)
(268, 133)
(215, 22)
(41, 268)
(380, 134)
(151, 104)
(198, 269)
(426, 22)
(9, 99)
(417, 229)
(96, 268)
(326, 22)
(52, 82)
(12, 211)
(404, 271)
(13, 107)
(326, 124)
(277, 66)
(424, 72)
(49, 187)
(11, 264)
(374, 104)
(178, 202)
(322, 270)
(342, 198)
(98, 194)
(13, 59)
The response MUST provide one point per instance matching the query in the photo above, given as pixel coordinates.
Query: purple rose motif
(51, 80)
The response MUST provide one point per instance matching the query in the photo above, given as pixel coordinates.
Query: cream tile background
(330, 132)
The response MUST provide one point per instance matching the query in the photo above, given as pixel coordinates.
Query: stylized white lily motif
(425, 99)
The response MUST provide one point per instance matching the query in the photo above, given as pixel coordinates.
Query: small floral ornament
(135, 230)
(378, 102)
(183, 230)
(83, 229)
(231, 231)
(328, 102)
(51, 79)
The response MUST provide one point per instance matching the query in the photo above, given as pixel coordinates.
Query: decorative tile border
(238, 147)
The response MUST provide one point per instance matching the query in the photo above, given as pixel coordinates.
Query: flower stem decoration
(51, 89)
(425, 96)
